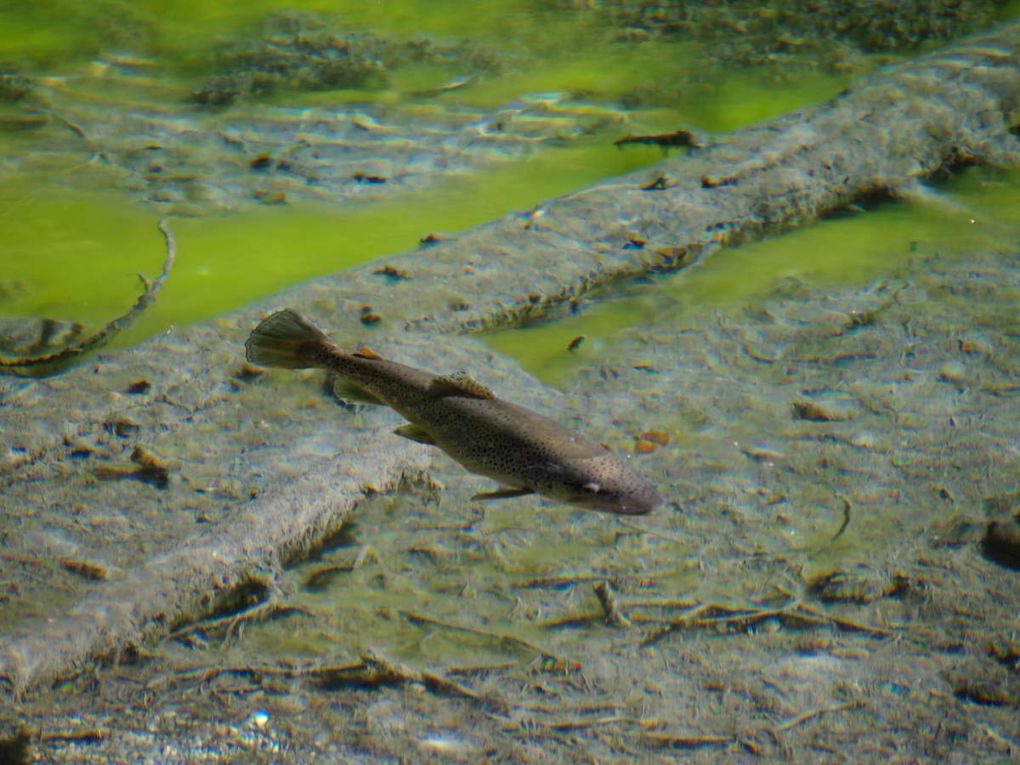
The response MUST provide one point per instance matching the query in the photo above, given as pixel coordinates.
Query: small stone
(822, 411)
(953, 372)
(1001, 542)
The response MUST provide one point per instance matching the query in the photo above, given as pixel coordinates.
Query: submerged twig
(797, 613)
(113, 327)
(226, 625)
(803, 717)
(383, 670)
(607, 598)
(257, 671)
(415, 618)
(846, 519)
(370, 669)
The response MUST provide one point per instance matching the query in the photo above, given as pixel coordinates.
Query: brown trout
(526, 452)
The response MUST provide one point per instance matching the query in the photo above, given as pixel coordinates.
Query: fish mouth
(622, 505)
(637, 508)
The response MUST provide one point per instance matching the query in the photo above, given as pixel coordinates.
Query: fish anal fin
(504, 493)
(367, 353)
(417, 433)
(458, 384)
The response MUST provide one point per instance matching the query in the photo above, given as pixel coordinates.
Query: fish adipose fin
(414, 432)
(458, 384)
(504, 493)
(287, 341)
(367, 353)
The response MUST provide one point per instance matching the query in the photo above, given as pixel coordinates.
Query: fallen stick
(56, 360)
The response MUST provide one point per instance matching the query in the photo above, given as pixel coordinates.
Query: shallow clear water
(809, 573)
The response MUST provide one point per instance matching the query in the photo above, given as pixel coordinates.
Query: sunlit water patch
(978, 209)
(104, 142)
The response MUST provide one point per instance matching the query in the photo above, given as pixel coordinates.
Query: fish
(525, 452)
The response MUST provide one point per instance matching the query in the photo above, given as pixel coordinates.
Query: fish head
(607, 484)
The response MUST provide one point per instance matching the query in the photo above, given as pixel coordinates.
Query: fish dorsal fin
(458, 384)
(367, 353)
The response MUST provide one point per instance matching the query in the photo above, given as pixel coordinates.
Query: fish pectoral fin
(417, 433)
(504, 493)
(458, 384)
(348, 391)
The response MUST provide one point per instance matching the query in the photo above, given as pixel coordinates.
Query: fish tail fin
(287, 341)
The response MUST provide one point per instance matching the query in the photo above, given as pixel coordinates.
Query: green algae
(75, 255)
(229, 260)
(978, 208)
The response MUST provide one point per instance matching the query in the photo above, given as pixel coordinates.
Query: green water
(977, 210)
(226, 261)
(72, 242)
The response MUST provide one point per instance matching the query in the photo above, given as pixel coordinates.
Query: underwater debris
(138, 388)
(815, 411)
(1001, 543)
(659, 184)
(430, 239)
(95, 572)
(14, 747)
(392, 273)
(648, 442)
(368, 316)
(681, 137)
(304, 55)
(52, 363)
(13, 85)
(151, 470)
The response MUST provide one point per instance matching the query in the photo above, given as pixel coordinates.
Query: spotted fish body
(521, 449)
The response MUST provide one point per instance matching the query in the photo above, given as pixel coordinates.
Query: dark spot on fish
(373, 180)
(368, 317)
(635, 243)
(647, 368)
(459, 305)
(574, 344)
(139, 387)
(534, 297)
(430, 239)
